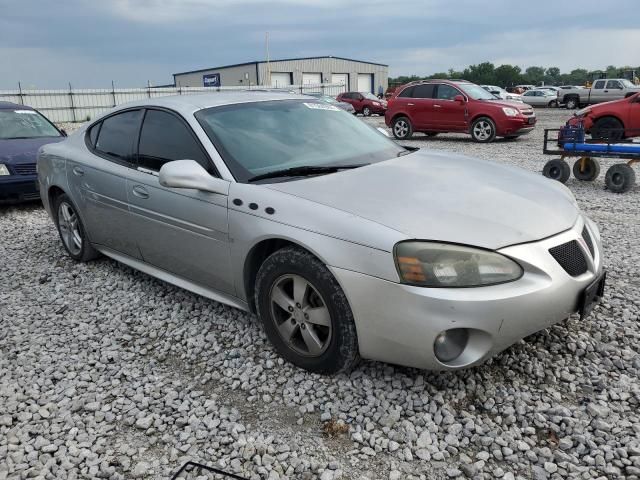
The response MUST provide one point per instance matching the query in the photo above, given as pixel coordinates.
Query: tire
(402, 128)
(553, 104)
(483, 130)
(431, 134)
(366, 111)
(328, 346)
(620, 178)
(607, 128)
(71, 230)
(557, 169)
(572, 103)
(588, 171)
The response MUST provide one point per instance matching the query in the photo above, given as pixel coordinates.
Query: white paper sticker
(322, 106)
(28, 112)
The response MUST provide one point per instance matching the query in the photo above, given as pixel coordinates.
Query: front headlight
(510, 112)
(431, 264)
(582, 112)
(4, 170)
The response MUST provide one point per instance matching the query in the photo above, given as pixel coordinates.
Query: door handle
(140, 191)
(606, 91)
(410, 104)
(78, 171)
(437, 106)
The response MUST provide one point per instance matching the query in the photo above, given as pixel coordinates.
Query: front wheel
(366, 111)
(402, 128)
(607, 128)
(483, 130)
(557, 169)
(620, 178)
(71, 230)
(305, 313)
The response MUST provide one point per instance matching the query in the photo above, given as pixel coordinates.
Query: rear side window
(118, 134)
(423, 91)
(93, 134)
(599, 84)
(164, 138)
(407, 92)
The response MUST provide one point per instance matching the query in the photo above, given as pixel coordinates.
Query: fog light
(449, 344)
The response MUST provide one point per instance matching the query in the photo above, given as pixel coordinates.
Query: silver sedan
(344, 244)
(540, 98)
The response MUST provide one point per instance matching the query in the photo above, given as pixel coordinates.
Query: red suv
(437, 106)
(364, 103)
(614, 120)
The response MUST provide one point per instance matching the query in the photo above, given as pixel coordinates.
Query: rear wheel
(71, 230)
(620, 178)
(553, 103)
(607, 128)
(483, 130)
(366, 111)
(557, 169)
(402, 128)
(586, 169)
(572, 103)
(305, 313)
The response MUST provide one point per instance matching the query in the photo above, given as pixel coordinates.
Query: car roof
(13, 106)
(188, 104)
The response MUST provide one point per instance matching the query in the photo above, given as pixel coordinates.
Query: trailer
(569, 142)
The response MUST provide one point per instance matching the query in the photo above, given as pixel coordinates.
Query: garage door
(280, 79)
(365, 82)
(340, 79)
(311, 78)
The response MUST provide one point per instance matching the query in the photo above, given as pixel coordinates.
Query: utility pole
(268, 64)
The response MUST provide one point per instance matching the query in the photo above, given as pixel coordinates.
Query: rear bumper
(16, 189)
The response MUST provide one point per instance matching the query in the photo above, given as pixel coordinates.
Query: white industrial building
(356, 75)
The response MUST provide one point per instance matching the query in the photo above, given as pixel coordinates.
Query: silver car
(344, 244)
(540, 98)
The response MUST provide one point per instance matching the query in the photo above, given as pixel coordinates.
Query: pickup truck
(603, 90)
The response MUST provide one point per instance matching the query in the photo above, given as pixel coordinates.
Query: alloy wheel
(401, 128)
(300, 315)
(69, 228)
(482, 130)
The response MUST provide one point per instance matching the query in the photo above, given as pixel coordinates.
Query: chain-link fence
(81, 105)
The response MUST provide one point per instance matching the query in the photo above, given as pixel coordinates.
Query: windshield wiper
(304, 171)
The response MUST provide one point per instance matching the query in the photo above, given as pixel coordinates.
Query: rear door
(100, 180)
(182, 231)
(420, 107)
(449, 114)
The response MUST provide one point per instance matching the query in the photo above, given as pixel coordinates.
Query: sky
(49, 44)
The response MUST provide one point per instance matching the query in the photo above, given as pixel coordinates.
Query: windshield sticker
(28, 112)
(321, 106)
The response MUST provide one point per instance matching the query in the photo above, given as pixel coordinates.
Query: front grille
(527, 113)
(587, 239)
(570, 257)
(25, 169)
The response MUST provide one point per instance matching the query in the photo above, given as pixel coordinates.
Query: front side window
(423, 91)
(599, 84)
(164, 138)
(261, 137)
(118, 134)
(475, 91)
(24, 123)
(614, 84)
(447, 92)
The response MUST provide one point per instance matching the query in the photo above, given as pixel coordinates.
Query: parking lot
(106, 372)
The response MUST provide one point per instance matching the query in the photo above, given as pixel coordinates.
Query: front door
(612, 90)
(598, 92)
(182, 231)
(451, 114)
(101, 182)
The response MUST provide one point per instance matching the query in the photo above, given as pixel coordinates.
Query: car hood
(445, 197)
(23, 150)
(500, 102)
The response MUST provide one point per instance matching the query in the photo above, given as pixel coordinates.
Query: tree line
(487, 73)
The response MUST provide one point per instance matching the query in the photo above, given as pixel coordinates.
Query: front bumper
(19, 188)
(516, 126)
(398, 323)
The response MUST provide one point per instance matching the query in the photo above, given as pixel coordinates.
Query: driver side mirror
(459, 99)
(190, 174)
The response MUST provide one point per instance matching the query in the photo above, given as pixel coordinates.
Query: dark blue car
(23, 131)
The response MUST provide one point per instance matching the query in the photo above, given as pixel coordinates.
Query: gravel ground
(108, 373)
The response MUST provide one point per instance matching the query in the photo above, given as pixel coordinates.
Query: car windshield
(370, 96)
(261, 137)
(627, 84)
(25, 123)
(475, 91)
